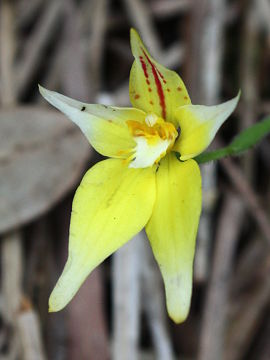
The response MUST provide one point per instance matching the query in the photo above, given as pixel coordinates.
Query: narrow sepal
(172, 230)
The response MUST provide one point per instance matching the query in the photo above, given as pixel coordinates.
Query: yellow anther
(153, 129)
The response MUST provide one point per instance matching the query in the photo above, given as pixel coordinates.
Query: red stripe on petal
(158, 85)
(144, 68)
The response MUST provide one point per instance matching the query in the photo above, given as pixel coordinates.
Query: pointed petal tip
(133, 34)
(134, 41)
(231, 104)
(51, 308)
(133, 31)
(41, 89)
(45, 93)
(237, 97)
(54, 305)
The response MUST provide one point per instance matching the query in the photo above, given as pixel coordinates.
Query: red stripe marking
(162, 77)
(144, 68)
(158, 85)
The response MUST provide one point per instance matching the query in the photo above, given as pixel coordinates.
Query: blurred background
(81, 48)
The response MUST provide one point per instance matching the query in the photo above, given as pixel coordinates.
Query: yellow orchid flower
(144, 184)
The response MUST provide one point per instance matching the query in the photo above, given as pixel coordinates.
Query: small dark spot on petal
(83, 108)
(137, 96)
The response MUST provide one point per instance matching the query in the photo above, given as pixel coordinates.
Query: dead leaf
(42, 156)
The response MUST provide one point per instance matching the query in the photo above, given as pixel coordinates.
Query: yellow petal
(152, 87)
(199, 125)
(111, 205)
(172, 230)
(104, 126)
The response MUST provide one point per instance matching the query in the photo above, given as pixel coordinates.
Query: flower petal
(111, 205)
(104, 126)
(152, 87)
(199, 125)
(172, 230)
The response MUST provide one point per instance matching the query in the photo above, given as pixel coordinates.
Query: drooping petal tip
(178, 296)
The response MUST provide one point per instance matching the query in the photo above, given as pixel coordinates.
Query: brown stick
(216, 302)
(87, 333)
(126, 300)
(154, 303)
(36, 44)
(206, 50)
(28, 327)
(249, 82)
(7, 49)
(140, 16)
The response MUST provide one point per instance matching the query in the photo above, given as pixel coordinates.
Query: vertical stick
(207, 46)
(28, 327)
(12, 273)
(215, 311)
(126, 291)
(140, 16)
(249, 76)
(12, 267)
(154, 304)
(7, 44)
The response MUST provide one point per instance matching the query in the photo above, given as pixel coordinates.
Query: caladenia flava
(151, 179)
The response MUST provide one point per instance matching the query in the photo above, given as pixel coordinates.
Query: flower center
(154, 138)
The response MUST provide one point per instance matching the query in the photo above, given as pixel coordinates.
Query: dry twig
(216, 302)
